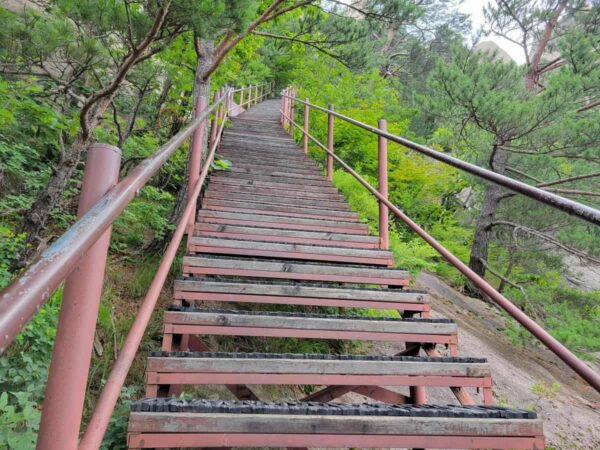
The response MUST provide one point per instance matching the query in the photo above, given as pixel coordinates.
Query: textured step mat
(318, 356)
(332, 409)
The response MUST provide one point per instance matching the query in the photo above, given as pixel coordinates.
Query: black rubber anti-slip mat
(239, 355)
(331, 409)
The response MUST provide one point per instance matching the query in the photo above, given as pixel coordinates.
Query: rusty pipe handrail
(556, 201)
(569, 358)
(235, 90)
(250, 88)
(92, 438)
(20, 300)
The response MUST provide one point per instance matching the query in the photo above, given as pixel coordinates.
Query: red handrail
(22, 298)
(556, 201)
(539, 332)
(107, 400)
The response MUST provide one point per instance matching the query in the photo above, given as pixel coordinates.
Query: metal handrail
(569, 358)
(20, 300)
(556, 201)
(109, 395)
(236, 90)
(24, 296)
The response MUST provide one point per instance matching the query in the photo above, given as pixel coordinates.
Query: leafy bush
(23, 373)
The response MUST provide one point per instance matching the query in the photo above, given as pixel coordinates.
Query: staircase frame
(22, 299)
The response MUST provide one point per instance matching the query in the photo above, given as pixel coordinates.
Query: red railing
(78, 257)
(592, 215)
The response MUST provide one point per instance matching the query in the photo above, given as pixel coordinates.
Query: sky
(475, 9)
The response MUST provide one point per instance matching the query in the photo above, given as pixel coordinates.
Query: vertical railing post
(330, 143)
(291, 111)
(221, 107)
(384, 233)
(196, 156)
(305, 134)
(256, 94)
(261, 92)
(214, 125)
(71, 357)
(284, 108)
(242, 97)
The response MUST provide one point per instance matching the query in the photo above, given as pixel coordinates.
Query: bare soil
(571, 417)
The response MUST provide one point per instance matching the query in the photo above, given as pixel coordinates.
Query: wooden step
(263, 169)
(181, 321)
(196, 368)
(254, 162)
(226, 187)
(244, 160)
(274, 209)
(227, 246)
(287, 236)
(243, 157)
(291, 157)
(164, 423)
(282, 222)
(275, 200)
(279, 177)
(291, 176)
(293, 270)
(280, 154)
(280, 184)
(246, 134)
(256, 145)
(313, 294)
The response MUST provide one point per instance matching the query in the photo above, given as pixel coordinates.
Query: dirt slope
(571, 419)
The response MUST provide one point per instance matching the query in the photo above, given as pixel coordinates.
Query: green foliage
(10, 244)
(145, 218)
(23, 373)
(115, 437)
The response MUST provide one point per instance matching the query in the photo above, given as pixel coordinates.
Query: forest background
(127, 72)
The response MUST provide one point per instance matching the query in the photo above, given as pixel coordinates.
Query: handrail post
(255, 94)
(242, 97)
(261, 92)
(215, 122)
(222, 105)
(291, 111)
(330, 143)
(384, 233)
(72, 353)
(196, 155)
(305, 134)
(284, 108)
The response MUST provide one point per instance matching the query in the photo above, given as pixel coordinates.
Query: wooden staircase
(273, 231)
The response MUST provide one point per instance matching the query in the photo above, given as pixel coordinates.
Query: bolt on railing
(585, 212)
(79, 255)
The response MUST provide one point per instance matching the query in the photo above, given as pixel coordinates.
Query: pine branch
(301, 41)
(547, 238)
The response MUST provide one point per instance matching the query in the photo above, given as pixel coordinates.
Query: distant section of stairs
(273, 231)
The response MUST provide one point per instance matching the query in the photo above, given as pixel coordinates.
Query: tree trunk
(532, 72)
(89, 117)
(36, 219)
(205, 51)
(483, 227)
